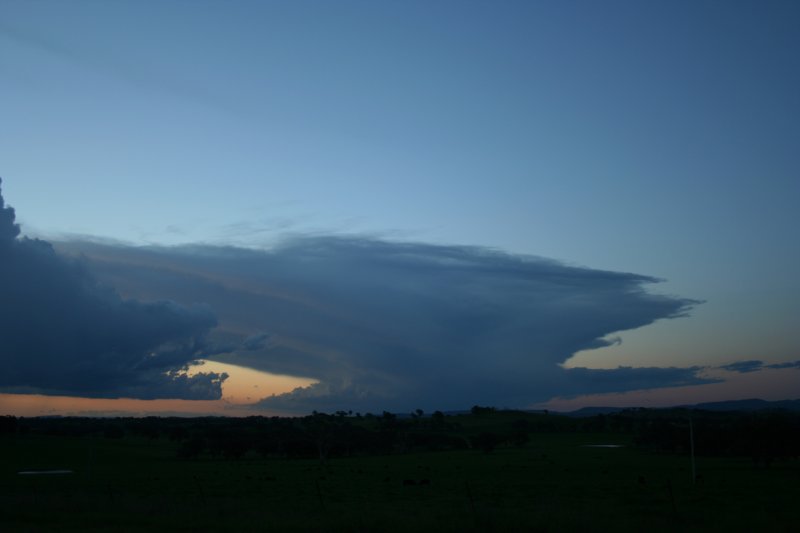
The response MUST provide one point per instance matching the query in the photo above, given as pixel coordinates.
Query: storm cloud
(755, 365)
(61, 332)
(744, 367)
(398, 325)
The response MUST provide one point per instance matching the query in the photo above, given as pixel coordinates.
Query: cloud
(393, 325)
(117, 63)
(788, 364)
(256, 342)
(744, 367)
(61, 332)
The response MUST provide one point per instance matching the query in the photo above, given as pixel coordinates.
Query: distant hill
(593, 411)
(753, 404)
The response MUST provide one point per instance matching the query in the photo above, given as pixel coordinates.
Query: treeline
(763, 436)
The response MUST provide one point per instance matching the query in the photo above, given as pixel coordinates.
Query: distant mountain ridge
(752, 404)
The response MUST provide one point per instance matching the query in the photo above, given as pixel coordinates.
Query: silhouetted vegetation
(484, 469)
(762, 436)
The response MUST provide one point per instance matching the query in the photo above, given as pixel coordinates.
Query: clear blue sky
(659, 138)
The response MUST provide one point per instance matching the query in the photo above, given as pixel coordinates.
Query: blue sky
(658, 138)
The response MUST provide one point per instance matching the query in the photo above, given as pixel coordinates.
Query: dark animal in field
(642, 480)
(417, 483)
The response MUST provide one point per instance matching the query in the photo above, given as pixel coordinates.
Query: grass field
(550, 484)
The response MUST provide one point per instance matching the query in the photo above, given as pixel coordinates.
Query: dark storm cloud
(256, 342)
(788, 364)
(609, 380)
(388, 325)
(744, 367)
(63, 333)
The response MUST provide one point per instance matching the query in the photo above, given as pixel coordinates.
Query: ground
(551, 483)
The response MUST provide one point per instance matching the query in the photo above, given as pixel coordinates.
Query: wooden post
(471, 502)
(319, 495)
(691, 448)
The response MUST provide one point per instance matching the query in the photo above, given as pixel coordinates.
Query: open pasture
(552, 483)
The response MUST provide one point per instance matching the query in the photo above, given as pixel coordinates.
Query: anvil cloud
(398, 325)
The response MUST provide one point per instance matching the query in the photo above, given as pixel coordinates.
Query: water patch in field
(44, 472)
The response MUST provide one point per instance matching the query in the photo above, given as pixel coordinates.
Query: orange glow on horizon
(43, 405)
(246, 385)
(767, 384)
(243, 388)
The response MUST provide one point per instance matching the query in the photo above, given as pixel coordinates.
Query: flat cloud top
(398, 325)
(379, 324)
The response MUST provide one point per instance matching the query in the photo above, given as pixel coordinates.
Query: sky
(397, 205)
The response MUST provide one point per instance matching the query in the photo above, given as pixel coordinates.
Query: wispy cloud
(118, 64)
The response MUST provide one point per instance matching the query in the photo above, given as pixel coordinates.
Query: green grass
(551, 484)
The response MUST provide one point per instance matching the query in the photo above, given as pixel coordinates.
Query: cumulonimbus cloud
(391, 325)
(61, 332)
